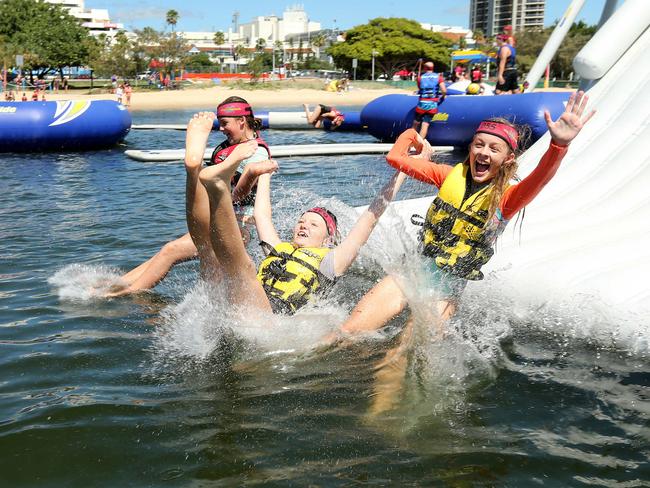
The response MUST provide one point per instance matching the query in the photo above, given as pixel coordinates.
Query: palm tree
(260, 44)
(318, 42)
(218, 38)
(172, 18)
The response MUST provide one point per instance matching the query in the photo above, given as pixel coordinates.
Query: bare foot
(225, 171)
(198, 130)
(261, 167)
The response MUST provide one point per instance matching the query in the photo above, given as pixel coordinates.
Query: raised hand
(571, 122)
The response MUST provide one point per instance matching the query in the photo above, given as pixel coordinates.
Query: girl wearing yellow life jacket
(475, 202)
(294, 270)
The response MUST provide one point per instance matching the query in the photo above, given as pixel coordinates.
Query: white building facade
(97, 21)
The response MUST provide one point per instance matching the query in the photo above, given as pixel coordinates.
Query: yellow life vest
(291, 275)
(454, 233)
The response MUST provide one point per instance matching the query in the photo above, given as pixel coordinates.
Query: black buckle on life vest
(417, 220)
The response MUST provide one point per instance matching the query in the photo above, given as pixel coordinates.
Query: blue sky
(208, 15)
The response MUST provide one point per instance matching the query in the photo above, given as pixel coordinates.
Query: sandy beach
(208, 98)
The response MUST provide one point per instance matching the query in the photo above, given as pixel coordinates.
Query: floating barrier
(277, 121)
(62, 125)
(458, 117)
(278, 151)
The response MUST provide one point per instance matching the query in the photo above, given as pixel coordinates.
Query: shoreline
(209, 98)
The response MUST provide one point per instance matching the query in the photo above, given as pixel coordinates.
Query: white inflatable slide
(588, 232)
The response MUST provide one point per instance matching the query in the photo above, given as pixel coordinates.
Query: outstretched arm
(347, 251)
(263, 218)
(419, 168)
(562, 131)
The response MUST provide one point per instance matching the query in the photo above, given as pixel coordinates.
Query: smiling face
(487, 153)
(310, 231)
(233, 128)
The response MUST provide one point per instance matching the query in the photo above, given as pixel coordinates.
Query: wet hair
(252, 122)
(506, 172)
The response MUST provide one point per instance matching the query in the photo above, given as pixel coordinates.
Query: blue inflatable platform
(62, 125)
(459, 116)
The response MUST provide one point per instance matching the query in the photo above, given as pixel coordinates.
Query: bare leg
(313, 117)
(424, 129)
(236, 264)
(390, 372)
(197, 208)
(383, 302)
(151, 272)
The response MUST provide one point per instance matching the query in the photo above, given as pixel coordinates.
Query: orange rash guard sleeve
(518, 196)
(420, 169)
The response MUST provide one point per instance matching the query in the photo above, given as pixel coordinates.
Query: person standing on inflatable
(432, 91)
(507, 81)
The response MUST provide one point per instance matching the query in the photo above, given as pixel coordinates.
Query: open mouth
(482, 167)
(302, 233)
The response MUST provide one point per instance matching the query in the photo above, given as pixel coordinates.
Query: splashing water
(80, 282)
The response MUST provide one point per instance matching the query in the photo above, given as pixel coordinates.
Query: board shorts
(443, 285)
(511, 82)
(425, 110)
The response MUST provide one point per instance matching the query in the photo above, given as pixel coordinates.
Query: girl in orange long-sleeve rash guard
(475, 202)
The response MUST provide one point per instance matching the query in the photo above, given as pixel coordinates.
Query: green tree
(171, 18)
(146, 47)
(531, 42)
(399, 43)
(198, 62)
(300, 46)
(219, 38)
(260, 44)
(318, 42)
(260, 63)
(48, 36)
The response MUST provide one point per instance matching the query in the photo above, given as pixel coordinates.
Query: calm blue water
(165, 389)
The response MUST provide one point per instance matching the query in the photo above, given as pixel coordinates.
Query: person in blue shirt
(432, 90)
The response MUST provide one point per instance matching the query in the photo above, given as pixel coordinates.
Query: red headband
(327, 217)
(504, 131)
(235, 109)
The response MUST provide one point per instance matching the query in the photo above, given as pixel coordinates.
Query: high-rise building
(490, 16)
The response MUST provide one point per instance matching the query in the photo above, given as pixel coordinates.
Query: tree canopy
(397, 42)
(46, 34)
(531, 42)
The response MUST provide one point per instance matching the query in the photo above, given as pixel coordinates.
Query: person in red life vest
(293, 271)
(322, 113)
(507, 78)
(432, 91)
(477, 75)
(475, 202)
(24, 97)
(239, 125)
(35, 95)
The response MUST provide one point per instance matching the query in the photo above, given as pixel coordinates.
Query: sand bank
(208, 98)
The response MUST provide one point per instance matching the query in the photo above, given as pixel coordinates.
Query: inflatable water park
(614, 74)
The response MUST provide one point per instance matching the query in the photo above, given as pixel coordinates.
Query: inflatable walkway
(388, 116)
(62, 125)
